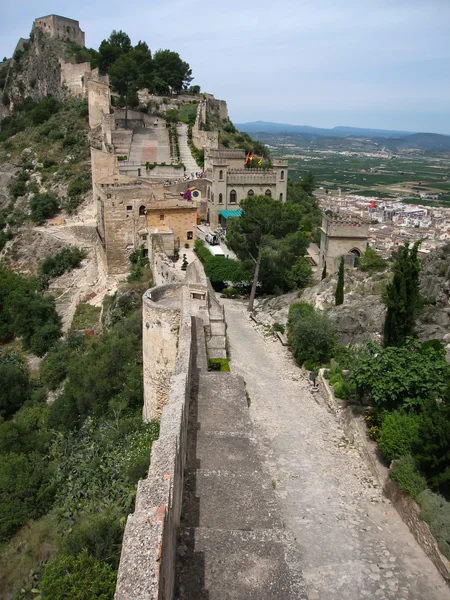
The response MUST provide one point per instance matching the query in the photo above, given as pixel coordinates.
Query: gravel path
(353, 542)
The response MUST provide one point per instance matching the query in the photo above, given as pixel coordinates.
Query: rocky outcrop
(35, 70)
(361, 317)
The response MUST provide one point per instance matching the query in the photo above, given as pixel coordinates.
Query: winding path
(353, 543)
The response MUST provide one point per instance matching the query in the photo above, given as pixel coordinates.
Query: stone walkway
(187, 159)
(232, 545)
(353, 543)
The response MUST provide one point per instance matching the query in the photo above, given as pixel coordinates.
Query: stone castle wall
(99, 100)
(61, 28)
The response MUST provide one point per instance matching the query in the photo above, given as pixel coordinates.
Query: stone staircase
(186, 157)
(121, 140)
(232, 543)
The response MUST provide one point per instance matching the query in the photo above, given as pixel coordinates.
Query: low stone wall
(407, 508)
(148, 559)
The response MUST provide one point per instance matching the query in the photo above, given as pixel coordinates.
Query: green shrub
(80, 577)
(219, 364)
(371, 262)
(14, 383)
(404, 472)
(399, 434)
(310, 333)
(435, 510)
(25, 491)
(43, 206)
(279, 327)
(100, 535)
(48, 162)
(17, 188)
(86, 316)
(230, 292)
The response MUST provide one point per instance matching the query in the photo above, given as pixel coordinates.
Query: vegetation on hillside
(48, 143)
(68, 470)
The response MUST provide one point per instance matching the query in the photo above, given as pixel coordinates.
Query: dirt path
(353, 542)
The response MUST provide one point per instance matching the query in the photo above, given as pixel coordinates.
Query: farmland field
(367, 172)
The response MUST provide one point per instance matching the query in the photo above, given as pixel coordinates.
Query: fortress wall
(99, 100)
(74, 77)
(161, 319)
(61, 27)
(148, 559)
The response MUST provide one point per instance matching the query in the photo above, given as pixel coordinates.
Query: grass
(22, 557)
(86, 316)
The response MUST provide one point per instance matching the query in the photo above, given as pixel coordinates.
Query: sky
(324, 63)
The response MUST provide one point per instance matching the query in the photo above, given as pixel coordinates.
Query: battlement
(344, 226)
(226, 154)
(61, 28)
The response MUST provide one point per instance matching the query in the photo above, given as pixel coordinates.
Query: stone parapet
(246, 177)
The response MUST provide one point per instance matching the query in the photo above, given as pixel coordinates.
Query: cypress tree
(324, 271)
(339, 297)
(402, 297)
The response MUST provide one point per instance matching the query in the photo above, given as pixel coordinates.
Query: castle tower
(61, 28)
(280, 166)
(341, 236)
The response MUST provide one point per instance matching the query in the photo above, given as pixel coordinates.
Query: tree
(371, 262)
(307, 183)
(171, 74)
(248, 233)
(14, 383)
(124, 75)
(402, 297)
(324, 271)
(111, 49)
(43, 206)
(311, 334)
(339, 295)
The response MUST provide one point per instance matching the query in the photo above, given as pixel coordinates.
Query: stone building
(229, 182)
(342, 235)
(61, 28)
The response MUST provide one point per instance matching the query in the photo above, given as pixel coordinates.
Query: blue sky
(383, 64)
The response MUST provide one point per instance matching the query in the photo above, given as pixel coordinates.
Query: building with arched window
(342, 236)
(230, 181)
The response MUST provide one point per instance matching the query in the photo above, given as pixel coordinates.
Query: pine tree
(339, 297)
(324, 271)
(402, 297)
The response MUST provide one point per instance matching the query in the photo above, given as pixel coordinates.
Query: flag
(246, 158)
(260, 162)
(250, 158)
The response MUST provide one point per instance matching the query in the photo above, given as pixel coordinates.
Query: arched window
(250, 193)
(220, 199)
(142, 211)
(282, 175)
(268, 193)
(281, 197)
(233, 197)
(212, 197)
(221, 174)
(209, 192)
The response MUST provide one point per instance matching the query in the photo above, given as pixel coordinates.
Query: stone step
(230, 451)
(222, 403)
(238, 565)
(229, 500)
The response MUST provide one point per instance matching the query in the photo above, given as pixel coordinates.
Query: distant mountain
(268, 127)
(354, 136)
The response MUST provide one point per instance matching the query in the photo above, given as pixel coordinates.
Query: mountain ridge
(338, 131)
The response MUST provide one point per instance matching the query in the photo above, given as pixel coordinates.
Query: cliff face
(35, 71)
(361, 317)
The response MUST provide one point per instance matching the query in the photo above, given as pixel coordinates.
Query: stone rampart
(74, 77)
(99, 100)
(161, 317)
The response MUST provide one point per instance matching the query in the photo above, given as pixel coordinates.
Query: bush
(371, 262)
(25, 492)
(435, 510)
(43, 206)
(80, 577)
(48, 162)
(14, 383)
(310, 333)
(100, 535)
(65, 260)
(399, 434)
(404, 472)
